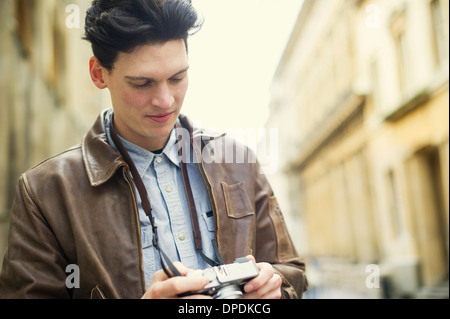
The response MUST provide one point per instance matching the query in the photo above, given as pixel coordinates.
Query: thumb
(251, 258)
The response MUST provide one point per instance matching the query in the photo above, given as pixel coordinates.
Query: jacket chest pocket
(237, 232)
(236, 200)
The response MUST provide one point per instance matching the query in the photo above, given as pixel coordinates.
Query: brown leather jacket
(80, 208)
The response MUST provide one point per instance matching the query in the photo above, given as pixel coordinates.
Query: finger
(175, 286)
(260, 291)
(251, 257)
(159, 275)
(197, 297)
(271, 290)
(265, 273)
(182, 269)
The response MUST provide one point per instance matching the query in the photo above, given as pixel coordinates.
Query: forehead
(153, 60)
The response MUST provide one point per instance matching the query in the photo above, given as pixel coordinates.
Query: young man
(114, 207)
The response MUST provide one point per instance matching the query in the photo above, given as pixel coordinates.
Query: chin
(162, 132)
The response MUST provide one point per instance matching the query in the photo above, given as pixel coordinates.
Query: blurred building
(47, 99)
(362, 102)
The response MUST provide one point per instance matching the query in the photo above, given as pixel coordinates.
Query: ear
(97, 73)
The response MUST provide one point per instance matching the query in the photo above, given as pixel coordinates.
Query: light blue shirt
(161, 174)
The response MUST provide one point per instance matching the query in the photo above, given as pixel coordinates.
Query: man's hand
(267, 285)
(163, 287)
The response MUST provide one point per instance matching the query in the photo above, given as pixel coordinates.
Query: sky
(233, 59)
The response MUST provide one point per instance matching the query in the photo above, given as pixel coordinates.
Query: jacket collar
(102, 161)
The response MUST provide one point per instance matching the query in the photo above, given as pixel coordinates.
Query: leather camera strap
(193, 211)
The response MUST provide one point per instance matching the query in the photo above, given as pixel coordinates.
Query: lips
(160, 118)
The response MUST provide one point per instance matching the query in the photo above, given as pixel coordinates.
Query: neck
(151, 144)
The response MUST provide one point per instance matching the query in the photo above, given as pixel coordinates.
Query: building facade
(361, 93)
(47, 99)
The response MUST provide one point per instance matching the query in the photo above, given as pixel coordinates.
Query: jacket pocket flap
(236, 200)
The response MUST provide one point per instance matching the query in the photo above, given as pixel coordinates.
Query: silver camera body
(227, 281)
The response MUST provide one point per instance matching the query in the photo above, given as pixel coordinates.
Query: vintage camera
(227, 281)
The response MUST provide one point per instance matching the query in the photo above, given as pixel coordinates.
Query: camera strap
(148, 208)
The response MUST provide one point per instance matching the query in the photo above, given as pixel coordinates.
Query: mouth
(160, 118)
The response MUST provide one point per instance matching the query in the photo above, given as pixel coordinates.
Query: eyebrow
(141, 78)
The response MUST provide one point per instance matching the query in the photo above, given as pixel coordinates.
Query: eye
(141, 85)
(176, 80)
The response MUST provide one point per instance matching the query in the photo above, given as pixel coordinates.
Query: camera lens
(228, 292)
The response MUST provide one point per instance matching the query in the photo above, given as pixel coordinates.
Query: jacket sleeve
(33, 263)
(273, 243)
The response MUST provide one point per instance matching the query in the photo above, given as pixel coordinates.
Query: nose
(163, 97)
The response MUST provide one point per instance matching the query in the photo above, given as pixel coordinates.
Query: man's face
(147, 87)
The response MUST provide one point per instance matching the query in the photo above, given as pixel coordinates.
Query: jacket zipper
(138, 228)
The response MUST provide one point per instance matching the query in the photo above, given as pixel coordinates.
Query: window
(439, 39)
(399, 34)
(375, 79)
(394, 205)
(342, 57)
(23, 12)
(57, 67)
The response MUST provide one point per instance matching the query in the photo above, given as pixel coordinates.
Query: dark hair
(114, 26)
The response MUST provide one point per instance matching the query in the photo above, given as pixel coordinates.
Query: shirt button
(168, 189)
(158, 159)
(181, 236)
